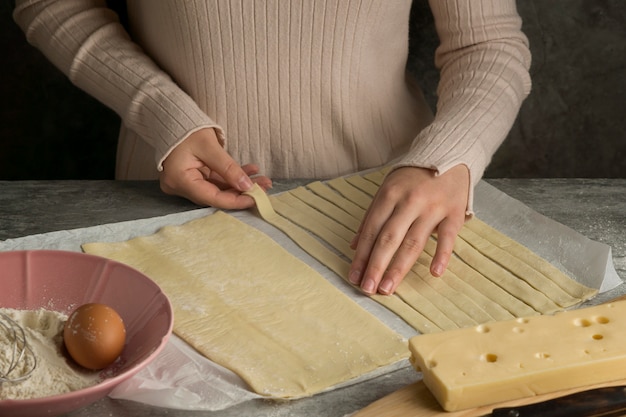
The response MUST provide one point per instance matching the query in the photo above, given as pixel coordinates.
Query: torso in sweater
(305, 89)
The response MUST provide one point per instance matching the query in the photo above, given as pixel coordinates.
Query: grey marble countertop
(595, 208)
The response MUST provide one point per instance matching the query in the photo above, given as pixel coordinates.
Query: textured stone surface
(594, 207)
(572, 124)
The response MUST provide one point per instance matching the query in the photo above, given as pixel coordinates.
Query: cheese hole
(483, 329)
(582, 323)
(601, 320)
(518, 330)
(431, 364)
(522, 320)
(542, 355)
(597, 337)
(489, 357)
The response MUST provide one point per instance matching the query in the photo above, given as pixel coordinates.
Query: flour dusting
(55, 373)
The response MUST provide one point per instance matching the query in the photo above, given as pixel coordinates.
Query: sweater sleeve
(85, 40)
(483, 58)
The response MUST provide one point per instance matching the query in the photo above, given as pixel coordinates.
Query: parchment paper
(181, 378)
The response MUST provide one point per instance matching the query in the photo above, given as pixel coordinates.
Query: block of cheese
(519, 358)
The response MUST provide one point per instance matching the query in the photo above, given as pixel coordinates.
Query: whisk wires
(21, 359)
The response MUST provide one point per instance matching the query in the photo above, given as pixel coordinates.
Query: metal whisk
(20, 352)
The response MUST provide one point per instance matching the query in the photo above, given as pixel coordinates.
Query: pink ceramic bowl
(62, 281)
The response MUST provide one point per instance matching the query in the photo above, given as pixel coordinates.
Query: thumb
(232, 173)
(207, 148)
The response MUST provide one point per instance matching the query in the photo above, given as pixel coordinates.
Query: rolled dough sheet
(249, 305)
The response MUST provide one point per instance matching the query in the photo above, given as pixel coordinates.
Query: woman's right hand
(200, 170)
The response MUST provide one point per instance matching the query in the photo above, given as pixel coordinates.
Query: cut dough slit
(494, 292)
(319, 229)
(517, 267)
(326, 207)
(337, 199)
(503, 278)
(440, 285)
(368, 187)
(351, 193)
(528, 257)
(472, 292)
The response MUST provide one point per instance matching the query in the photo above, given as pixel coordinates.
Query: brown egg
(94, 335)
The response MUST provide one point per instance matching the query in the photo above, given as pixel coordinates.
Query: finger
(447, 232)
(365, 239)
(392, 235)
(264, 182)
(194, 187)
(250, 169)
(357, 235)
(223, 167)
(407, 254)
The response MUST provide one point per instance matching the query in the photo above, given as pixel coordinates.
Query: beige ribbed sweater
(304, 88)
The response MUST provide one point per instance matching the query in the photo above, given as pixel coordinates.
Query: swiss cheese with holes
(519, 358)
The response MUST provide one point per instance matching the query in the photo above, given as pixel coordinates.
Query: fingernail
(437, 270)
(355, 277)
(245, 183)
(386, 286)
(368, 286)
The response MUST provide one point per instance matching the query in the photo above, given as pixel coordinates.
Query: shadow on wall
(572, 124)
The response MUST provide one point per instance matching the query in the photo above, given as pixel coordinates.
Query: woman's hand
(410, 205)
(200, 170)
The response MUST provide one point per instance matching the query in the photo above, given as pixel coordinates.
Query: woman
(217, 94)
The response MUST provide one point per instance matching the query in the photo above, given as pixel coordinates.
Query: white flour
(54, 374)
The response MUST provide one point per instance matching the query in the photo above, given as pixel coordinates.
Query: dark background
(572, 125)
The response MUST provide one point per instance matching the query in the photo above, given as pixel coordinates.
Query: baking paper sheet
(181, 378)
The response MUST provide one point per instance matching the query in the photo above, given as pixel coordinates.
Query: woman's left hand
(410, 205)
